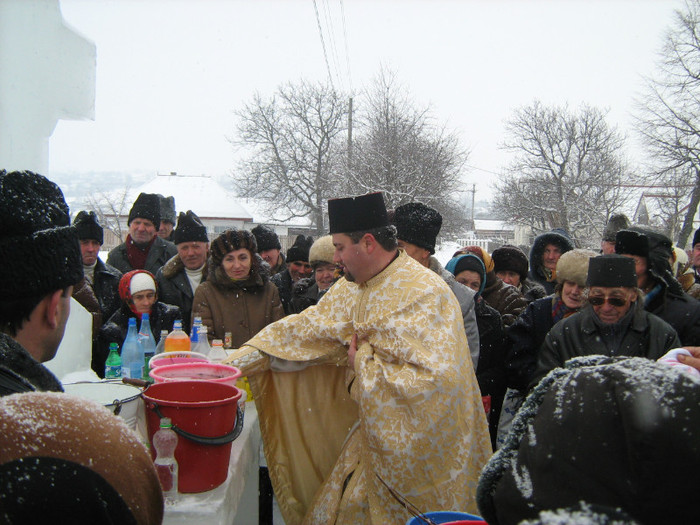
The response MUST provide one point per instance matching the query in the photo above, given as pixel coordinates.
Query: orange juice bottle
(177, 340)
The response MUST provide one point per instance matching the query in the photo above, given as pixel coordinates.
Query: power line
(345, 37)
(323, 45)
(330, 33)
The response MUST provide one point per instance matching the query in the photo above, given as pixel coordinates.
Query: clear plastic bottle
(165, 443)
(132, 353)
(113, 364)
(202, 345)
(148, 343)
(160, 347)
(177, 340)
(217, 352)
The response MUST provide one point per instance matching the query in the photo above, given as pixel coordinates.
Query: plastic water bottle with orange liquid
(177, 340)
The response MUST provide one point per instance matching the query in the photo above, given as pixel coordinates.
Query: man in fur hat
(418, 424)
(417, 228)
(167, 217)
(143, 249)
(617, 222)
(611, 323)
(269, 248)
(181, 275)
(298, 267)
(511, 267)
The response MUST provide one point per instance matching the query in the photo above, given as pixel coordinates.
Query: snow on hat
(418, 224)
(611, 271)
(189, 229)
(41, 247)
(616, 222)
(266, 238)
(146, 206)
(322, 251)
(167, 209)
(354, 214)
(232, 240)
(573, 266)
(88, 227)
(631, 243)
(510, 258)
(300, 249)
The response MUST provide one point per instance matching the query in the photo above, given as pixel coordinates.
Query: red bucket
(204, 415)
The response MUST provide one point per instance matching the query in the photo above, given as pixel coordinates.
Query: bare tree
(566, 172)
(291, 138)
(400, 149)
(109, 206)
(669, 112)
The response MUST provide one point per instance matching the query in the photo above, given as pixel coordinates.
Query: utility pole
(350, 135)
(473, 225)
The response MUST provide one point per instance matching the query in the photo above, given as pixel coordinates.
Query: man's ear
(51, 312)
(369, 241)
(633, 296)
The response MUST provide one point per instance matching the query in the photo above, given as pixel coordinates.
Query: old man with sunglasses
(612, 323)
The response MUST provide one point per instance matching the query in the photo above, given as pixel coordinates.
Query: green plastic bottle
(113, 365)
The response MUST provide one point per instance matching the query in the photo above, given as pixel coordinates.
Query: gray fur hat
(573, 266)
(167, 209)
(322, 251)
(616, 222)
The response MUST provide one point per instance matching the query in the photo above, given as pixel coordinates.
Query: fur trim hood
(564, 243)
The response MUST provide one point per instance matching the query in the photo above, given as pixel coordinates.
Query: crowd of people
(417, 376)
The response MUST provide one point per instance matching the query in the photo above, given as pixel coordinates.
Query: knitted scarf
(137, 254)
(560, 310)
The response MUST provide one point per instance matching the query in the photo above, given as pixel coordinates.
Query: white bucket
(123, 400)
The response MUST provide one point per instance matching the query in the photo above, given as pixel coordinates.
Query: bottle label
(113, 372)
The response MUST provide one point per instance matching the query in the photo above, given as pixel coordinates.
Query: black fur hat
(266, 238)
(189, 229)
(146, 206)
(88, 226)
(41, 247)
(616, 222)
(510, 258)
(628, 242)
(418, 224)
(232, 240)
(167, 209)
(611, 271)
(300, 249)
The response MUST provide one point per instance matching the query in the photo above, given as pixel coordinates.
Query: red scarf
(137, 256)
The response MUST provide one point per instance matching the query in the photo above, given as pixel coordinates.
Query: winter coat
(579, 335)
(284, 284)
(531, 290)
(15, 358)
(105, 284)
(304, 294)
(65, 459)
(160, 252)
(679, 310)
(490, 372)
(242, 308)
(421, 422)
(162, 317)
(537, 272)
(503, 297)
(174, 288)
(465, 297)
(613, 432)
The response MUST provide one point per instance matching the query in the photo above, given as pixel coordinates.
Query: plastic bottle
(113, 365)
(217, 352)
(177, 340)
(132, 353)
(202, 345)
(194, 332)
(160, 347)
(165, 443)
(148, 343)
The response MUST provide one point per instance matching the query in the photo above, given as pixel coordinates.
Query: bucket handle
(203, 440)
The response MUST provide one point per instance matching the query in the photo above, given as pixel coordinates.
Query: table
(236, 500)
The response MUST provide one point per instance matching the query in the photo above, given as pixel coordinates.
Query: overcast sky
(170, 73)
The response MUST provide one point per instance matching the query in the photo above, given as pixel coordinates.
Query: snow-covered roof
(199, 193)
(490, 224)
(261, 215)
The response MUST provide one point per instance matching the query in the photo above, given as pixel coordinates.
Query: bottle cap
(166, 423)
(217, 342)
(132, 321)
(177, 325)
(145, 316)
(113, 346)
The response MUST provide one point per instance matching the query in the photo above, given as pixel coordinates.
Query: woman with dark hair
(237, 296)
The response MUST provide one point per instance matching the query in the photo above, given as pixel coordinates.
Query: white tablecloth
(236, 500)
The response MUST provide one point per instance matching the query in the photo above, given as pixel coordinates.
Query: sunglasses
(614, 301)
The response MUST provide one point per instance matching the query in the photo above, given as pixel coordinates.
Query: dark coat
(14, 357)
(160, 252)
(174, 288)
(532, 291)
(579, 335)
(242, 308)
(490, 372)
(582, 435)
(526, 336)
(304, 294)
(503, 297)
(539, 244)
(679, 310)
(283, 282)
(162, 317)
(105, 284)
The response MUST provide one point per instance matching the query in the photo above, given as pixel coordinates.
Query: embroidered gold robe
(415, 418)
